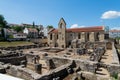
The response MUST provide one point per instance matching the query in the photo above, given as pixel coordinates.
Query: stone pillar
(101, 37)
(38, 68)
(53, 40)
(92, 37)
(24, 63)
(83, 36)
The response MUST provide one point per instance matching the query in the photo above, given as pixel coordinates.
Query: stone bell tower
(62, 33)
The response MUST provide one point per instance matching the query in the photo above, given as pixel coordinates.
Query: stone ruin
(29, 66)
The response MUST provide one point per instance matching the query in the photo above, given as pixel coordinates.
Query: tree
(3, 22)
(49, 27)
(33, 24)
(17, 28)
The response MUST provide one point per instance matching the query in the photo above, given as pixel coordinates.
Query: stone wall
(115, 55)
(27, 74)
(84, 65)
(59, 73)
(13, 60)
(82, 75)
(20, 47)
(56, 61)
(112, 68)
(24, 73)
(29, 57)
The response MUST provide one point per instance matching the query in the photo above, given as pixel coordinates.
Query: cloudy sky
(77, 13)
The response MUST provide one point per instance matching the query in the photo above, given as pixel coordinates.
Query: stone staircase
(102, 72)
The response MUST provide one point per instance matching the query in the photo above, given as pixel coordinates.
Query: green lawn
(15, 43)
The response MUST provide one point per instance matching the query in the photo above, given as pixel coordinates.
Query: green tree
(3, 22)
(49, 27)
(33, 24)
(17, 28)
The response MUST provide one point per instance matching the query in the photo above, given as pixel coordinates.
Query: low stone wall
(56, 61)
(82, 75)
(20, 47)
(86, 65)
(29, 57)
(83, 64)
(59, 73)
(13, 60)
(115, 55)
(113, 69)
(24, 73)
(27, 74)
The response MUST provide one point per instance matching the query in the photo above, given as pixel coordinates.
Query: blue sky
(75, 12)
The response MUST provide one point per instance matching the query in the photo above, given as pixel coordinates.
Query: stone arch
(97, 36)
(87, 36)
(61, 25)
(56, 44)
(50, 36)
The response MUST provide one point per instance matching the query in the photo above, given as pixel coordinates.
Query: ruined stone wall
(24, 73)
(20, 47)
(83, 64)
(86, 65)
(56, 61)
(29, 58)
(82, 75)
(59, 73)
(13, 60)
(115, 55)
(111, 68)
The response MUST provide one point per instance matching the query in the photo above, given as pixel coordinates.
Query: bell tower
(62, 33)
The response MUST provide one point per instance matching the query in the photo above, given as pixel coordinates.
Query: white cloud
(110, 15)
(76, 26)
(117, 28)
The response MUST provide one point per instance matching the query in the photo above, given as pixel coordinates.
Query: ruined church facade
(62, 37)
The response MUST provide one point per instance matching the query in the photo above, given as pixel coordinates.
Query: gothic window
(88, 36)
(97, 36)
(50, 36)
(79, 35)
(57, 36)
(61, 25)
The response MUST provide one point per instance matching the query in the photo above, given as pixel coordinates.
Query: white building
(114, 33)
(31, 32)
(20, 35)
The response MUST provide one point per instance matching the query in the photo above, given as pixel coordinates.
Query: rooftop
(84, 29)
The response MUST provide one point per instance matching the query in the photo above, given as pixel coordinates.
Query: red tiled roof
(114, 30)
(85, 29)
(32, 30)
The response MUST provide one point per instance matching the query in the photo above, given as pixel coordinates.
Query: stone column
(101, 37)
(38, 68)
(83, 36)
(53, 40)
(92, 37)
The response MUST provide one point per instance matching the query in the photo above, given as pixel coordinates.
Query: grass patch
(115, 76)
(15, 43)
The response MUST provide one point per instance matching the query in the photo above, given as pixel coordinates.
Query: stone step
(102, 72)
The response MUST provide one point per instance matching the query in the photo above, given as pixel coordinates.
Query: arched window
(97, 36)
(88, 36)
(61, 25)
(50, 36)
(79, 35)
(57, 36)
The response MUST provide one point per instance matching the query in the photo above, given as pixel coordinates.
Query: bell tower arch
(62, 33)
